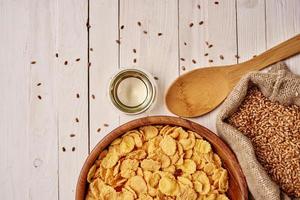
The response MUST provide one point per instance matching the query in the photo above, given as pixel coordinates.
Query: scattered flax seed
(33, 62)
(39, 96)
(105, 125)
(194, 61)
(134, 60)
(201, 22)
(73, 149)
(91, 49)
(210, 61)
(206, 43)
(206, 54)
(134, 50)
(122, 27)
(89, 65)
(145, 32)
(63, 149)
(66, 62)
(39, 84)
(198, 6)
(237, 56)
(155, 78)
(78, 59)
(139, 23)
(182, 59)
(254, 56)
(88, 25)
(216, 2)
(183, 68)
(185, 43)
(98, 130)
(221, 57)
(77, 95)
(118, 41)
(210, 46)
(93, 96)
(159, 34)
(191, 24)
(56, 55)
(76, 119)
(72, 135)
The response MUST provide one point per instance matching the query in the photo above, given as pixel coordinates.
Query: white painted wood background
(44, 141)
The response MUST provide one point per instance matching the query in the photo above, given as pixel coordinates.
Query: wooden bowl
(237, 183)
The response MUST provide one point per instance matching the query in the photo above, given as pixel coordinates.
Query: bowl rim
(81, 185)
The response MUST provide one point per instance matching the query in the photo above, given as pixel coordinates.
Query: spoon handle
(280, 52)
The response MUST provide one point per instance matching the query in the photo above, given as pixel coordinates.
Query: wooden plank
(151, 28)
(283, 22)
(28, 146)
(251, 28)
(207, 37)
(104, 63)
(71, 78)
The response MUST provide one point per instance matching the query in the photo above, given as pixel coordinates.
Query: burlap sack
(279, 84)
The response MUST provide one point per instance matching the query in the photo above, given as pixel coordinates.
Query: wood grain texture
(237, 183)
(70, 79)
(104, 63)
(28, 125)
(218, 29)
(251, 28)
(151, 28)
(283, 22)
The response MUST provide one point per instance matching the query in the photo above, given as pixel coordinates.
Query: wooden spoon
(202, 90)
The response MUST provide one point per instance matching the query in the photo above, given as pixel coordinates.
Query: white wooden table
(54, 108)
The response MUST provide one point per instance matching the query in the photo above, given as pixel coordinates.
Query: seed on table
(194, 61)
(198, 6)
(122, 27)
(201, 22)
(56, 55)
(145, 32)
(98, 130)
(134, 50)
(134, 60)
(216, 2)
(206, 43)
(93, 96)
(105, 125)
(254, 56)
(206, 54)
(139, 23)
(63, 149)
(91, 49)
(237, 56)
(191, 24)
(159, 34)
(155, 78)
(221, 57)
(182, 59)
(210, 61)
(89, 64)
(185, 43)
(73, 148)
(66, 62)
(76, 119)
(72, 135)
(183, 68)
(77, 95)
(78, 59)
(33, 62)
(118, 41)
(39, 84)
(210, 46)
(39, 96)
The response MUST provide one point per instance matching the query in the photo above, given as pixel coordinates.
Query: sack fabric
(279, 84)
